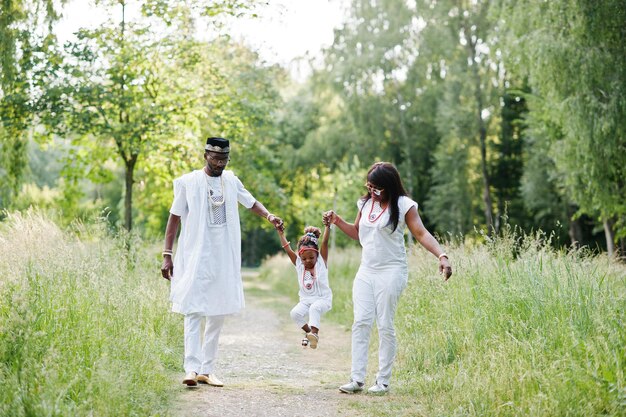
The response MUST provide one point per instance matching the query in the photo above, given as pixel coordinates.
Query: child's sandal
(313, 338)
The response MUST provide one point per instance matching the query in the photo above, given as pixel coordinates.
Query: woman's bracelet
(443, 255)
(268, 216)
(286, 244)
(167, 252)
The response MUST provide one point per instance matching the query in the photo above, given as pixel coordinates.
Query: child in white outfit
(316, 298)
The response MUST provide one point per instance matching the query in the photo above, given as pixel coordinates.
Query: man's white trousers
(201, 350)
(375, 297)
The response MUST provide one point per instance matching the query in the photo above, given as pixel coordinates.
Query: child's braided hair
(310, 237)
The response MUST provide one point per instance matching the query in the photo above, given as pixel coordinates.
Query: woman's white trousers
(375, 297)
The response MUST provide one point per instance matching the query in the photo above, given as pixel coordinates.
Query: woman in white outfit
(385, 211)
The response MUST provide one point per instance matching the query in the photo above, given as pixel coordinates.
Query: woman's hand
(330, 217)
(444, 267)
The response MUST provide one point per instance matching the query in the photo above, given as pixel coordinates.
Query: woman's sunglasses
(374, 190)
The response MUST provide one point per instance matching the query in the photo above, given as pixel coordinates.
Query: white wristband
(268, 216)
(443, 255)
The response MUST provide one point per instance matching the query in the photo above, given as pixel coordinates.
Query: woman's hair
(310, 237)
(386, 176)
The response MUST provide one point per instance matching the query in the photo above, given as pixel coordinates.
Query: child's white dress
(316, 297)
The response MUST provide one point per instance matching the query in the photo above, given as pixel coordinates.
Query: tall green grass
(521, 329)
(84, 330)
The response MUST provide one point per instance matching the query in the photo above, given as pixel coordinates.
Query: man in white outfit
(206, 271)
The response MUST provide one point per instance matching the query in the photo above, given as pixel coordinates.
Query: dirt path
(265, 370)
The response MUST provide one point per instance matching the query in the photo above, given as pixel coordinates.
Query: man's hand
(167, 268)
(276, 221)
(444, 267)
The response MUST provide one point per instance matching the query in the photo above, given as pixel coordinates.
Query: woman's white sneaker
(351, 387)
(378, 389)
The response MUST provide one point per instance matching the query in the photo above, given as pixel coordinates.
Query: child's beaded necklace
(313, 278)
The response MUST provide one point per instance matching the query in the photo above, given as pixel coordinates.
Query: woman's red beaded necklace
(372, 217)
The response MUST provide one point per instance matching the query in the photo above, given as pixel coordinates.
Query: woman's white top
(382, 249)
(317, 288)
(207, 265)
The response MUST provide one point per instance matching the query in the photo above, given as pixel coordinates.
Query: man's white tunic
(207, 265)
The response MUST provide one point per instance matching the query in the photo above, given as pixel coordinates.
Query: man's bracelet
(443, 255)
(167, 252)
(286, 244)
(268, 216)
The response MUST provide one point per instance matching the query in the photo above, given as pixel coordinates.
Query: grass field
(81, 332)
(519, 330)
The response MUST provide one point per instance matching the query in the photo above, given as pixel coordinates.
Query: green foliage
(461, 96)
(118, 103)
(508, 167)
(141, 91)
(385, 92)
(579, 41)
(25, 36)
(79, 327)
(540, 183)
(450, 203)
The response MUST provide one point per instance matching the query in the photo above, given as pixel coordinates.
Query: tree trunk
(409, 173)
(609, 234)
(574, 230)
(128, 197)
(482, 134)
(17, 148)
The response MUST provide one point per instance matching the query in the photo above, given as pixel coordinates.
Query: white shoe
(210, 379)
(191, 379)
(351, 387)
(378, 389)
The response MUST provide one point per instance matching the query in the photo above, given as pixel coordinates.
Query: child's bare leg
(314, 329)
(307, 329)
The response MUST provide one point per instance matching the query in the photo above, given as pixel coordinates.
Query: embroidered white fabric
(217, 209)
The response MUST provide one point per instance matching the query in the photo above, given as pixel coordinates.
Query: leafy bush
(83, 330)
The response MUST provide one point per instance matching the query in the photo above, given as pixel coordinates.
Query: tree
(581, 42)
(119, 93)
(462, 44)
(386, 91)
(25, 36)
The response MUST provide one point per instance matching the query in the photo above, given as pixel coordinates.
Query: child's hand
(328, 217)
